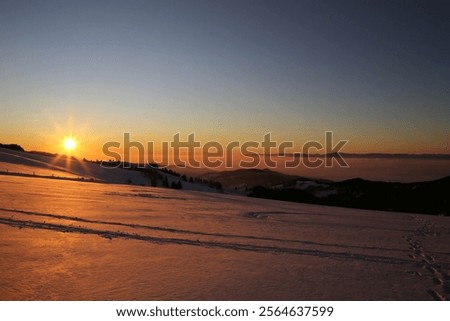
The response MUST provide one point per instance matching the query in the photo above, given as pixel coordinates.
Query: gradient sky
(375, 72)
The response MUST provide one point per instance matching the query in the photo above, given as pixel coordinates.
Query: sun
(70, 144)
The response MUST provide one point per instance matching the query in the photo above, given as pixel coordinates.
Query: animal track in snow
(440, 278)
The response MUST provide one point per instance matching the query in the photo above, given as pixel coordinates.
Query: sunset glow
(226, 72)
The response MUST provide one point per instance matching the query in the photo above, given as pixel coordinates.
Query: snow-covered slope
(61, 166)
(69, 240)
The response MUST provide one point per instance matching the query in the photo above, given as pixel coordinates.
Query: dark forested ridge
(423, 197)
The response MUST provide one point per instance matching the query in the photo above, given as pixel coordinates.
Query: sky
(376, 73)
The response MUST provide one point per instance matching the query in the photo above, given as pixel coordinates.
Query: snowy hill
(72, 240)
(61, 166)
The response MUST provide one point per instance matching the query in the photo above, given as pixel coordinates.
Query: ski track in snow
(168, 240)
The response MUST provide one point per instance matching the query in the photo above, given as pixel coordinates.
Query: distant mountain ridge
(370, 155)
(429, 197)
(248, 178)
(422, 197)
